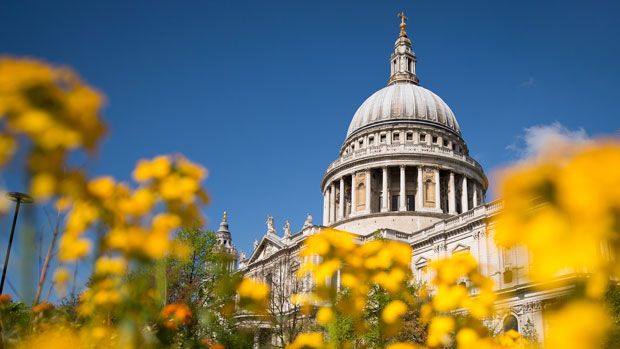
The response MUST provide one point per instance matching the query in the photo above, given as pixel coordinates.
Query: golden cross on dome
(403, 25)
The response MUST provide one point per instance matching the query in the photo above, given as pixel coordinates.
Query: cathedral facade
(404, 173)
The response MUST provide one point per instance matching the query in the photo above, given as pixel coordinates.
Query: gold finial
(403, 25)
(225, 217)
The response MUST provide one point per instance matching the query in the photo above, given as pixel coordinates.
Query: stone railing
(385, 234)
(402, 148)
(482, 211)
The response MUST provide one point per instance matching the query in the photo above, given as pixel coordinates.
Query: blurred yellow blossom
(324, 316)
(578, 325)
(569, 201)
(402, 345)
(42, 186)
(439, 331)
(72, 248)
(110, 265)
(394, 311)
(309, 340)
(102, 187)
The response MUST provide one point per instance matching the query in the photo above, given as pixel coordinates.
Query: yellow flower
(160, 166)
(43, 186)
(325, 271)
(56, 337)
(251, 289)
(308, 340)
(157, 244)
(61, 276)
(7, 148)
(393, 311)
(176, 187)
(402, 345)
(33, 122)
(315, 245)
(110, 265)
(439, 331)
(106, 297)
(467, 339)
(72, 248)
(142, 172)
(81, 217)
(449, 298)
(102, 187)
(128, 240)
(189, 168)
(138, 203)
(166, 222)
(579, 325)
(324, 316)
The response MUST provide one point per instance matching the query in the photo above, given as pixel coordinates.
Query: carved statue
(308, 222)
(242, 256)
(255, 244)
(270, 226)
(287, 229)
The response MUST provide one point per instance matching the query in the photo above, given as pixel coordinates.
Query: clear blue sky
(262, 92)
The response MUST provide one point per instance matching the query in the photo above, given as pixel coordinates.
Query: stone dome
(404, 101)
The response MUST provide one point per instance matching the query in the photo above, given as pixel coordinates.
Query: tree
(612, 298)
(286, 318)
(207, 284)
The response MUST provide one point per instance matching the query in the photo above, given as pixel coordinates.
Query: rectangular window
(445, 142)
(382, 138)
(422, 137)
(410, 203)
(371, 140)
(435, 139)
(361, 142)
(395, 136)
(394, 206)
(409, 136)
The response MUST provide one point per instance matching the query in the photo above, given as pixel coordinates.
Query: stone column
(475, 195)
(419, 191)
(353, 190)
(341, 207)
(368, 191)
(256, 340)
(451, 194)
(332, 203)
(325, 207)
(384, 191)
(402, 205)
(437, 190)
(464, 195)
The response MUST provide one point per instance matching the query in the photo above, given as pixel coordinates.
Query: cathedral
(404, 173)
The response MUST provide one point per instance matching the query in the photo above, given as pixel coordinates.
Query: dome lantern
(403, 60)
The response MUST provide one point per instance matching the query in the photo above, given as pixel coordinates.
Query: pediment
(460, 248)
(420, 262)
(269, 245)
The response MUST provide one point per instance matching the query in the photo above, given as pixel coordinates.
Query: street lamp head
(20, 197)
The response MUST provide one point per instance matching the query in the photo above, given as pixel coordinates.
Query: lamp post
(18, 198)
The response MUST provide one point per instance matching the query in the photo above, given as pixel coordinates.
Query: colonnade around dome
(399, 188)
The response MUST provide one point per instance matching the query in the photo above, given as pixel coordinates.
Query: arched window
(510, 323)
